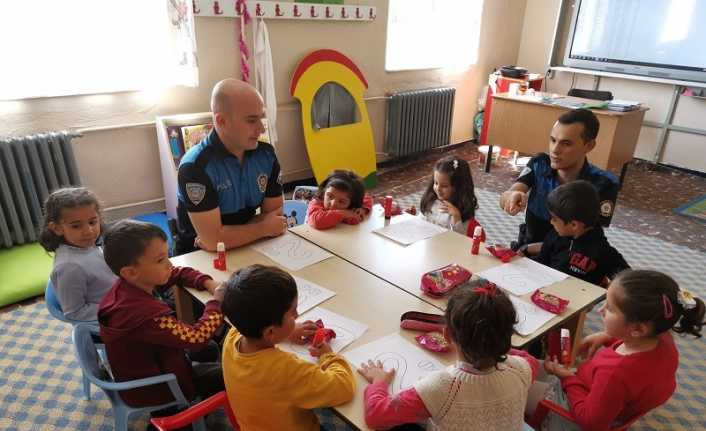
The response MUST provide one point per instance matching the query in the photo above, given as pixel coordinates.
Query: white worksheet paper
(291, 251)
(310, 295)
(529, 316)
(347, 331)
(522, 276)
(410, 362)
(410, 231)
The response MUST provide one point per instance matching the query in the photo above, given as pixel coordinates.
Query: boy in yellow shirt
(270, 389)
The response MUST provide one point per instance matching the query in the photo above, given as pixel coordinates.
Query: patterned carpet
(41, 380)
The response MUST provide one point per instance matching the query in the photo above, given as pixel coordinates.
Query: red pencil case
(549, 302)
(441, 281)
(502, 253)
(418, 321)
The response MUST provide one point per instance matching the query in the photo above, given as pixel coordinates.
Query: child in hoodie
(142, 336)
(577, 245)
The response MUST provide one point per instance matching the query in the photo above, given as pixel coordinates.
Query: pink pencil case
(418, 321)
(440, 281)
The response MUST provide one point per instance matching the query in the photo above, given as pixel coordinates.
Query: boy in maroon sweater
(142, 336)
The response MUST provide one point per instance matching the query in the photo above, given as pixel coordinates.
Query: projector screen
(658, 38)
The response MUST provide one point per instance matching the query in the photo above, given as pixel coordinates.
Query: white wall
(681, 149)
(122, 165)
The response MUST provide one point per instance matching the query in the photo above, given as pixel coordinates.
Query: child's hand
(361, 213)
(219, 292)
(302, 331)
(448, 207)
(591, 343)
(552, 366)
(352, 214)
(211, 285)
(320, 350)
(374, 372)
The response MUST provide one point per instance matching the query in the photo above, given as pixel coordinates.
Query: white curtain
(265, 76)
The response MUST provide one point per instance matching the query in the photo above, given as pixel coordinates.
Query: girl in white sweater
(485, 390)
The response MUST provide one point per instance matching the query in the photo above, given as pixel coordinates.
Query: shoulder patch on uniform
(262, 182)
(279, 178)
(606, 208)
(195, 192)
(525, 171)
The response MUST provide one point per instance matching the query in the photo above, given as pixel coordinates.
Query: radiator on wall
(419, 120)
(30, 168)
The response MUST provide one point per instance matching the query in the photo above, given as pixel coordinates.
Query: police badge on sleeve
(606, 208)
(262, 182)
(195, 192)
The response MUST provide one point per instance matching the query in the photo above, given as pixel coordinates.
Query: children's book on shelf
(176, 144)
(194, 134)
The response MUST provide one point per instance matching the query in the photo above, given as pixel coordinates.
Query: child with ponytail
(632, 364)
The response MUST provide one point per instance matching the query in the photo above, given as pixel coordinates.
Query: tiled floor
(645, 203)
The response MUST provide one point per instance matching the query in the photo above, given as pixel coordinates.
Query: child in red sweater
(142, 336)
(341, 198)
(632, 364)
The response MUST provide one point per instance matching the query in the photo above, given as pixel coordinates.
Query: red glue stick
(565, 347)
(221, 251)
(387, 204)
(319, 337)
(477, 234)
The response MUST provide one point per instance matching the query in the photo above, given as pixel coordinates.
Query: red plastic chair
(546, 406)
(184, 418)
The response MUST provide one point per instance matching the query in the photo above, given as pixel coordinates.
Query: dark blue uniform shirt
(212, 177)
(539, 176)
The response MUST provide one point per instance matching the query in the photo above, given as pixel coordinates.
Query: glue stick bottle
(387, 205)
(477, 234)
(565, 347)
(221, 251)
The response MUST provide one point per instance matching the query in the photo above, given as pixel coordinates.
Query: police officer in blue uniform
(225, 178)
(572, 138)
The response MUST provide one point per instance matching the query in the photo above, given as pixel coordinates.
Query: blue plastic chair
(54, 308)
(88, 358)
(295, 212)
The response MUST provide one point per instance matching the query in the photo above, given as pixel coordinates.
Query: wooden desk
(524, 123)
(403, 266)
(359, 295)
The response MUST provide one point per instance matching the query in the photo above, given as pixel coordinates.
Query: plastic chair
(54, 308)
(295, 212)
(591, 94)
(546, 406)
(88, 358)
(197, 411)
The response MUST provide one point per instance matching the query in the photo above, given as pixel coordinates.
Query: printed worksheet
(410, 231)
(310, 295)
(347, 331)
(291, 251)
(522, 276)
(529, 316)
(410, 362)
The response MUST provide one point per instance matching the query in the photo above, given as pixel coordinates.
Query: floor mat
(695, 208)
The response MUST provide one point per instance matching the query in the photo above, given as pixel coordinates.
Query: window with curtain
(60, 48)
(431, 34)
